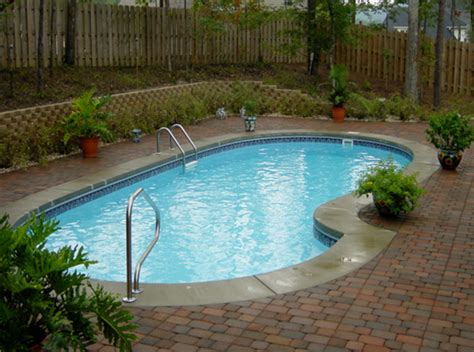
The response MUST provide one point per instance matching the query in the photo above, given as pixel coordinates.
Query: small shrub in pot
(451, 133)
(393, 192)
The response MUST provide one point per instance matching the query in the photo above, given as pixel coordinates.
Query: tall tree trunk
(439, 54)
(70, 32)
(354, 10)
(411, 73)
(452, 16)
(40, 50)
(332, 21)
(471, 35)
(311, 22)
(168, 46)
(51, 37)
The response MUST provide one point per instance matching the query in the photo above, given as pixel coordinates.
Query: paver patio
(417, 295)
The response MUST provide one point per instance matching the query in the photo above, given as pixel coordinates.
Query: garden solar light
(136, 133)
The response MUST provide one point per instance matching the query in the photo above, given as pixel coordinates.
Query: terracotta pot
(338, 114)
(449, 159)
(89, 146)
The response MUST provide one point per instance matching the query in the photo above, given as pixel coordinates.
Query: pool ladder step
(174, 140)
(128, 233)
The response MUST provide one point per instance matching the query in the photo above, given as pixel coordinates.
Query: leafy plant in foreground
(44, 300)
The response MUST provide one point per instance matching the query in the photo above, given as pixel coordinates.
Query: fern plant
(340, 92)
(86, 120)
(44, 300)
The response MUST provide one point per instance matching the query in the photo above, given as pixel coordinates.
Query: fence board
(108, 35)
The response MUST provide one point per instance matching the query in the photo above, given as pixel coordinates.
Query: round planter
(449, 159)
(89, 146)
(338, 114)
(250, 123)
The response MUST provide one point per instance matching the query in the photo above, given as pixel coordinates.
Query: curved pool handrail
(172, 139)
(128, 227)
(181, 128)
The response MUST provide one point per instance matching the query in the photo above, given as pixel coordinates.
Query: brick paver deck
(417, 295)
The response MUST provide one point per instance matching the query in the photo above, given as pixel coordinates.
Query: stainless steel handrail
(128, 227)
(177, 125)
(172, 139)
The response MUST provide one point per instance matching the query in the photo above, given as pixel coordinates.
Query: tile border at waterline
(360, 242)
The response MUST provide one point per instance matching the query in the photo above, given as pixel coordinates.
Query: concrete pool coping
(359, 242)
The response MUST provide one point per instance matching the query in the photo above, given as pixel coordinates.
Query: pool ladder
(128, 229)
(173, 139)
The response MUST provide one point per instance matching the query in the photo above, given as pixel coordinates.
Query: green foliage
(450, 131)
(314, 28)
(179, 107)
(33, 145)
(366, 108)
(214, 15)
(340, 92)
(373, 107)
(250, 107)
(404, 108)
(44, 300)
(183, 108)
(86, 119)
(393, 191)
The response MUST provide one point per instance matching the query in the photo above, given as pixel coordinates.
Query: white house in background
(455, 27)
(397, 20)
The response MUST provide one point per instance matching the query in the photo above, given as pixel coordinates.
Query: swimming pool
(245, 209)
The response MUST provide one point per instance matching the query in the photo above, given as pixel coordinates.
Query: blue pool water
(237, 213)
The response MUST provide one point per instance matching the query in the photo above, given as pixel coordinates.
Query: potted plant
(451, 133)
(45, 302)
(339, 93)
(393, 192)
(249, 114)
(87, 123)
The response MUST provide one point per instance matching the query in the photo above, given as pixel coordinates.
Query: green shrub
(404, 108)
(366, 108)
(183, 108)
(450, 131)
(213, 100)
(241, 92)
(44, 299)
(392, 190)
(250, 107)
(41, 144)
(33, 145)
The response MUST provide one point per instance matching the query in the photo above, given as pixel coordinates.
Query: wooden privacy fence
(382, 55)
(108, 35)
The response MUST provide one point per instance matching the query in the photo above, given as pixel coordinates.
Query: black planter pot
(382, 208)
(449, 159)
(250, 123)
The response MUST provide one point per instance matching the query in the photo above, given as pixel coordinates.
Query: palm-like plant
(339, 93)
(44, 300)
(86, 119)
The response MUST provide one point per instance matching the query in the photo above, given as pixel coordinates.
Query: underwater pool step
(191, 165)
